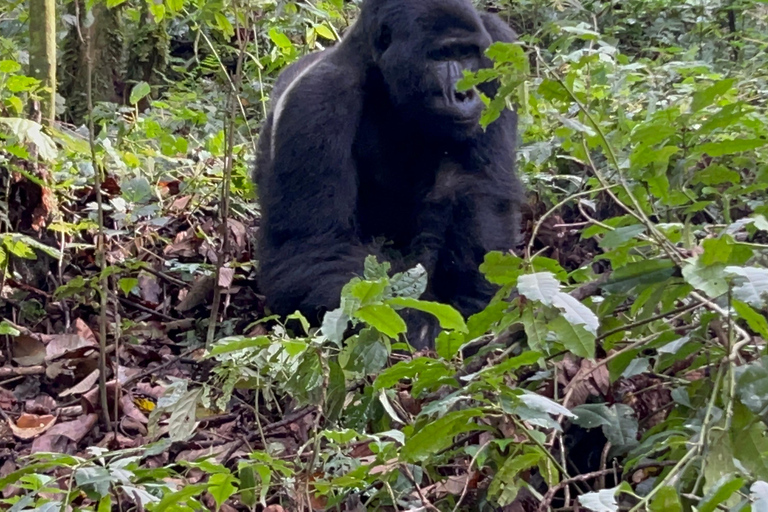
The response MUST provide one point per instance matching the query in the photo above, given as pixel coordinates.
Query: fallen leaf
(83, 386)
(28, 350)
(29, 426)
(226, 276)
(59, 345)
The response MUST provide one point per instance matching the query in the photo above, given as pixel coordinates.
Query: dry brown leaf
(28, 350)
(453, 485)
(42, 404)
(83, 386)
(198, 294)
(149, 288)
(226, 276)
(29, 426)
(76, 429)
(59, 345)
(184, 245)
(86, 332)
(180, 204)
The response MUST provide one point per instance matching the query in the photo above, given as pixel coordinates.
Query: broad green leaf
(438, 435)
(324, 31)
(543, 404)
(711, 280)
(280, 39)
(27, 131)
(751, 285)
(541, 286)
(411, 283)
(94, 476)
(575, 338)
(365, 353)
(535, 328)
(501, 269)
(127, 284)
(721, 493)
(247, 485)
(620, 236)
(171, 500)
(618, 422)
(503, 488)
(752, 385)
(383, 318)
(576, 313)
(334, 325)
(755, 320)
(448, 317)
(8, 329)
(140, 91)
(236, 343)
(373, 270)
(408, 370)
(729, 147)
(644, 272)
(666, 500)
(705, 97)
(337, 392)
(603, 500)
(716, 250)
(221, 486)
(9, 66)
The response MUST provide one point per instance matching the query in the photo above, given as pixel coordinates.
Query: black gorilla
(371, 141)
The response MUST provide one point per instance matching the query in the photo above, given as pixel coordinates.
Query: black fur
(369, 140)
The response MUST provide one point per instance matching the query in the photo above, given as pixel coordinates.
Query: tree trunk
(42, 54)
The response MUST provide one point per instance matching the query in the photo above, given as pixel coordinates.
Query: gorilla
(369, 148)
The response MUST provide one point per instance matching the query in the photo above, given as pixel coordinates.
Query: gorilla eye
(454, 52)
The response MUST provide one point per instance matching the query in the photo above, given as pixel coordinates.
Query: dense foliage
(622, 365)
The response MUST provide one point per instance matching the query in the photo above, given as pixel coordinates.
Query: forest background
(140, 371)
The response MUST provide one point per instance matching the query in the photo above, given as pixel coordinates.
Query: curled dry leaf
(29, 426)
(83, 386)
(59, 345)
(28, 350)
(226, 276)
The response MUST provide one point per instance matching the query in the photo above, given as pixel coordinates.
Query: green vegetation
(622, 364)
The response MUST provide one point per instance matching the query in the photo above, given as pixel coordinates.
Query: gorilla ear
(383, 40)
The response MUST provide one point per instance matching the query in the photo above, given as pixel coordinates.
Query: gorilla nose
(462, 96)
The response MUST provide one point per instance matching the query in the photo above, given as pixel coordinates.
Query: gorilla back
(371, 140)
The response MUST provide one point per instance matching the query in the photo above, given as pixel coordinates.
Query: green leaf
(504, 488)
(383, 318)
(576, 313)
(729, 147)
(127, 284)
(408, 370)
(752, 385)
(755, 320)
(337, 392)
(541, 286)
(9, 66)
(334, 325)
(139, 91)
(236, 343)
(365, 353)
(448, 317)
(324, 31)
(411, 283)
(711, 280)
(172, 499)
(280, 39)
(666, 500)
(716, 250)
(247, 485)
(221, 486)
(535, 328)
(617, 421)
(620, 236)
(27, 131)
(575, 338)
(704, 98)
(501, 269)
(438, 435)
(724, 489)
(8, 329)
(751, 285)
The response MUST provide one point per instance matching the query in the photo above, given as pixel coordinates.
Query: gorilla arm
(309, 244)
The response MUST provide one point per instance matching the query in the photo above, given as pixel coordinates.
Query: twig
(424, 500)
(226, 182)
(100, 238)
(547, 501)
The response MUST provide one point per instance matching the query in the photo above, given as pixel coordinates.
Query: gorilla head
(421, 50)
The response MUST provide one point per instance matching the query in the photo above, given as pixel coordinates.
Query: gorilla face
(423, 58)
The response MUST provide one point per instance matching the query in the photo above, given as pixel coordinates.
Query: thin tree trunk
(42, 54)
